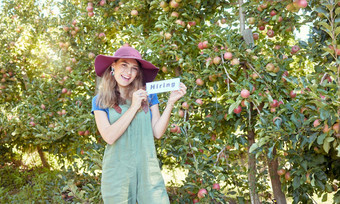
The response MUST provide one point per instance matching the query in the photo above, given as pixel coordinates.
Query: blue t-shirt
(152, 99)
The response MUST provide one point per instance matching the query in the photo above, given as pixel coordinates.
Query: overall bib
(131, 170)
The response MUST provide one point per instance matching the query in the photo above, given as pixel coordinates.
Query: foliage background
(48, 81)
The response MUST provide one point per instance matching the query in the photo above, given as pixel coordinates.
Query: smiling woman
(129, 132)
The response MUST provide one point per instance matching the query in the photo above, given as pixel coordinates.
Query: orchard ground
(32, 163)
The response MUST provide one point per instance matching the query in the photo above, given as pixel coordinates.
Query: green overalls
(131, 170)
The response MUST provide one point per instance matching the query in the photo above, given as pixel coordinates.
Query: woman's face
(126, 71)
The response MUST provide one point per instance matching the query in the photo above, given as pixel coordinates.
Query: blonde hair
(108, 93)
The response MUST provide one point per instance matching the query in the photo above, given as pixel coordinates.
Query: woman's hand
(137, 98)
(176, 95)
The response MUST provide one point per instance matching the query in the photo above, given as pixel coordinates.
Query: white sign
(162, 86)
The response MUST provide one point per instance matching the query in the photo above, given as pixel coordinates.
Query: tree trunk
(43, 158)
(254, 198)
(275, 179)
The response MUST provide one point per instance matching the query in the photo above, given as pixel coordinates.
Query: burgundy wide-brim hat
(102, 62)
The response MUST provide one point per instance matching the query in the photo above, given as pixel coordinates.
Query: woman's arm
(160, 123)
(111, 133)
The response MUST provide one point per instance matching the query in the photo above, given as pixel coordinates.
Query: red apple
(163, 4)
(32, 123)
(81, 133)
(64, 90)
(134, 13)
(302, 3)
(326, 128)
(262, 27)
(181, 113)
(255, 36)
(235, 61)
(199, 82)
(212, 78)
(228, 55)
(217, 60)
(102, 2)
(167, 36)
(69, 69)
(201, 193)
(295, 49)
(281, 172)
(78, 103)
(245, 93)
(192, 23)
(287, 176)
(200, 46)
(238, 110)
(185, 105)
(174, 128)
(264, 6)
(270, 67)
(273, 12)
(251, 20)
(316, 123)
(199, 101)
(243, 103)
(66, 28)
(175, 14)
(259, 8)
(292, 94)
(274, 104)
(89, 8)
(205, 44)
(174, 4)
(90, 14)
(270, 33)
(43, 106)
(216, 186)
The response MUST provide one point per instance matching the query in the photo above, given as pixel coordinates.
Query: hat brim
(102, 62)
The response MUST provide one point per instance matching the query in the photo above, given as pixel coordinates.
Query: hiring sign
(162, 86)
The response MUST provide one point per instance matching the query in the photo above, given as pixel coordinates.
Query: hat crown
(128, 52)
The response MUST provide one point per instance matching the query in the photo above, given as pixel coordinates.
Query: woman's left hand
(176, 95)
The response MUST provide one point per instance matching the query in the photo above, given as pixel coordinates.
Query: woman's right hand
(137, 98)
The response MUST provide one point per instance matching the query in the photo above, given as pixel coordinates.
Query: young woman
(128, 120)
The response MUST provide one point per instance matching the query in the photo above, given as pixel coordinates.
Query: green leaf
(253, 147)
(232, 107)
(325, 25)
(337, 31)
(312, 139)
(338, 148)
(326, 146)
(304, 165)
(324, 114)
(321, 138)
(296, 182)
(337, 11)
(327, 31)
(324, 197)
